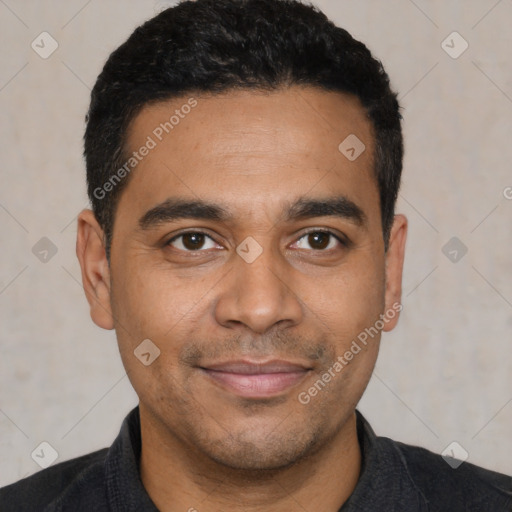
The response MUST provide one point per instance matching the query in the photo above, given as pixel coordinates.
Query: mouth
(256, 379)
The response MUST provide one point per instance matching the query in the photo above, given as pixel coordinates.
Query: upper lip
(257, 367)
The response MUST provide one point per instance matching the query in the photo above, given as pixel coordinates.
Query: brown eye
(191, 241)
(319, 241)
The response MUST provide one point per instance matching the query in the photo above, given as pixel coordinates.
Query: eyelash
(343, 243)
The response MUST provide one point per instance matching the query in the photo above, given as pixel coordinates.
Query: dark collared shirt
(395, 477)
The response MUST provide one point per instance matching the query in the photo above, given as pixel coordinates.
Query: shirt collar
(384, 478)
(125, 490)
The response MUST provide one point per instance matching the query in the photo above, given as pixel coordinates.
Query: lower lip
(262, 385)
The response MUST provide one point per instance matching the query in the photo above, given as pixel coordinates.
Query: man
(243, 163)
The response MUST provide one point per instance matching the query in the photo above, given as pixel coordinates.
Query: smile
(254, 380)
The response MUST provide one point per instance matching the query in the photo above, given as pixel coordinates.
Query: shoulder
(442, 484)
(50, 485)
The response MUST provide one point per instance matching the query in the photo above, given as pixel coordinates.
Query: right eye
(190, 241)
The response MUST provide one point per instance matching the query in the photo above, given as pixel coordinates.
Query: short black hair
(218, 45)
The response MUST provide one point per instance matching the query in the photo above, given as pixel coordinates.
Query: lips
(255, 379)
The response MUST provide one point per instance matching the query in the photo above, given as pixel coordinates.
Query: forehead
(252, 150)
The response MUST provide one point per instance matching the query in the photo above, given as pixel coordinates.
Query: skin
(303, 300)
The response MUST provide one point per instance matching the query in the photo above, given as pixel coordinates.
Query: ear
(394, 266)
(90, 250)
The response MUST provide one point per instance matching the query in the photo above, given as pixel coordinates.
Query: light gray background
(444, 374)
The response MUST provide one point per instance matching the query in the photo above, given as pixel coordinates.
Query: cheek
(153, 305)
(348, 301)
(347, 308)
(153, 301)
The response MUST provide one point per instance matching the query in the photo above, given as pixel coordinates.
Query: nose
(258, 295)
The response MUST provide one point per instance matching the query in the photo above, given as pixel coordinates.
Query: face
(248, 248)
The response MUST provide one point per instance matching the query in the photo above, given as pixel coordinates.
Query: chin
(268, 453)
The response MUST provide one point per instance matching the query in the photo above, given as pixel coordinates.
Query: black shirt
(395, 477)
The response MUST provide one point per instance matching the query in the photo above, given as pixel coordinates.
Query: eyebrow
(173, 209)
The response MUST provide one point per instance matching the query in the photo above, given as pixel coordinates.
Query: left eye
(320, 240)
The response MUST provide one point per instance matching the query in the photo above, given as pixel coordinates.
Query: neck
(178, 479)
